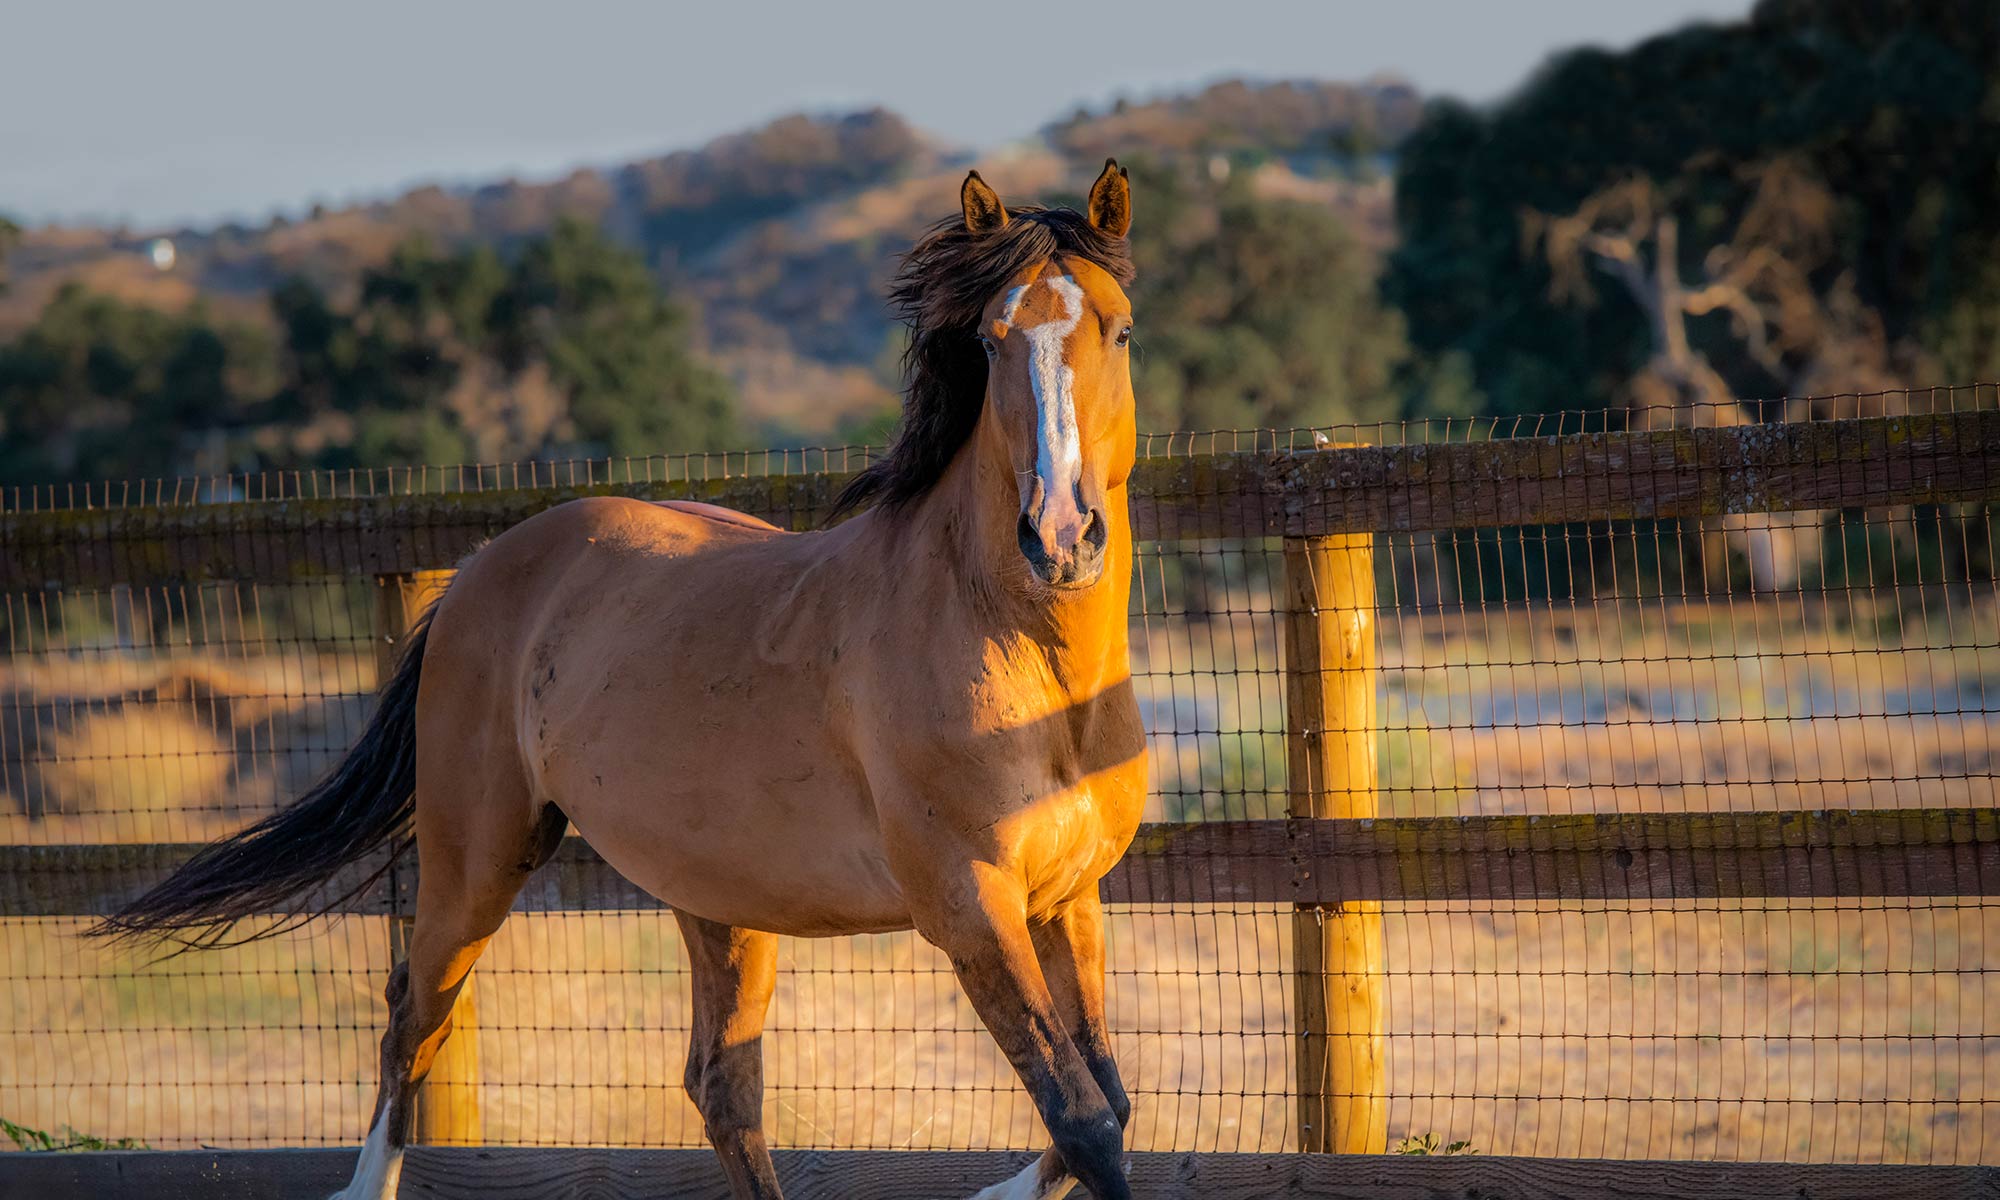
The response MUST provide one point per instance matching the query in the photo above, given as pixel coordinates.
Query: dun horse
(921, 718)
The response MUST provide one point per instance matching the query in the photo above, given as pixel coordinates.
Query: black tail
(281, 865)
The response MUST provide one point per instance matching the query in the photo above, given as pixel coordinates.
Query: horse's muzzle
(1065, 553)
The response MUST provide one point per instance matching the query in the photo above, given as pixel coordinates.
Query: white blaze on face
(1058, 453)
(1014, 298)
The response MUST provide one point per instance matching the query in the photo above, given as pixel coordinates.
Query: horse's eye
(986, 343)
(1125, 336)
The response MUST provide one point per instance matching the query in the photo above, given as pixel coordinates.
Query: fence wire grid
(1837, 655)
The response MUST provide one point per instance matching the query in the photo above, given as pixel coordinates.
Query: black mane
(941, 288)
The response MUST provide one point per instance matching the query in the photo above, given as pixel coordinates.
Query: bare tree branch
(1762, 277)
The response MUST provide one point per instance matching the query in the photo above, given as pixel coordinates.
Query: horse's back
(597, 546)
(618, 525)
(717, 514)
(607, 575)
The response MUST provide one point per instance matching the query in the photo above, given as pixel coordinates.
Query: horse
(921, 717)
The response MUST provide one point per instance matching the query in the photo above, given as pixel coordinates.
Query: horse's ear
(1111, 200)
(983, 211)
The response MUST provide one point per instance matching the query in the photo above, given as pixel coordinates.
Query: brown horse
(921, 718)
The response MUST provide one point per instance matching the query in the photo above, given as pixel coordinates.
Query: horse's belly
(741, 837)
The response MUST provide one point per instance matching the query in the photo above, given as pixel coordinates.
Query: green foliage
(98, 388)
(1892, 107)
(68, 1138)
(613, 343)
(1254, 311)
(568, 349)
(1963, 338)
(1430, 1144)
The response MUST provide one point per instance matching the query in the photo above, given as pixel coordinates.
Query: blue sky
(203, 110)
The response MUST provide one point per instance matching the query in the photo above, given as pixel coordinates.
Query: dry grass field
(1867, 1031)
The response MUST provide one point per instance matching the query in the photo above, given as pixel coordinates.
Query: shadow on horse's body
(922, 718)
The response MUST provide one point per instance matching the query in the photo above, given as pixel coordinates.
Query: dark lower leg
(419, 1021)
(730, 1095)
(994, 955)
(735, 972)
(450, 932)
(1070, 948)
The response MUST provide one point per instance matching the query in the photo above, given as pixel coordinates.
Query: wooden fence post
(1329, 616)
(447, 1110)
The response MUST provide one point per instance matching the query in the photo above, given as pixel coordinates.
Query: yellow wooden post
(447, 1110)
(1329, 594)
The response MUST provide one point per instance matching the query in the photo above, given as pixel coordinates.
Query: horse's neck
(968, 521)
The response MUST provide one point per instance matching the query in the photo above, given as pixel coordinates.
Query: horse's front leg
(979, 917)
(1070, 946)
(1071, 949)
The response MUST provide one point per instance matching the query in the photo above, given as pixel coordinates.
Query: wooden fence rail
(459, 1173)
(1645, 858)
(1645, 475)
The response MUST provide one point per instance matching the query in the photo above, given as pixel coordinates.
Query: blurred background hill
(1804, 200)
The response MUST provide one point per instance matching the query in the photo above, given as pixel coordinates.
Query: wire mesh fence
(1602, 622)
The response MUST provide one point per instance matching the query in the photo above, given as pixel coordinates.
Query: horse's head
(1018, 333)
(1056, 339)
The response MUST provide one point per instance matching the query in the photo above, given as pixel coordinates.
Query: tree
(570, 348)
(1254, 312)
(1889, 107)
(1761, 279)
(99, 388)
(613, 344)
(368, 384)
(441, 357)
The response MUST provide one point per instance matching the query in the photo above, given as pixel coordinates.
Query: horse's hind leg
(734, 971)
(464, 890)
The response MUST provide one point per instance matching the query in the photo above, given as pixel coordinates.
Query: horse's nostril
(1095, 531)
(1030, 540)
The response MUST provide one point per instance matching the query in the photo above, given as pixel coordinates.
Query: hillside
(1291, 117)
(779, 238)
